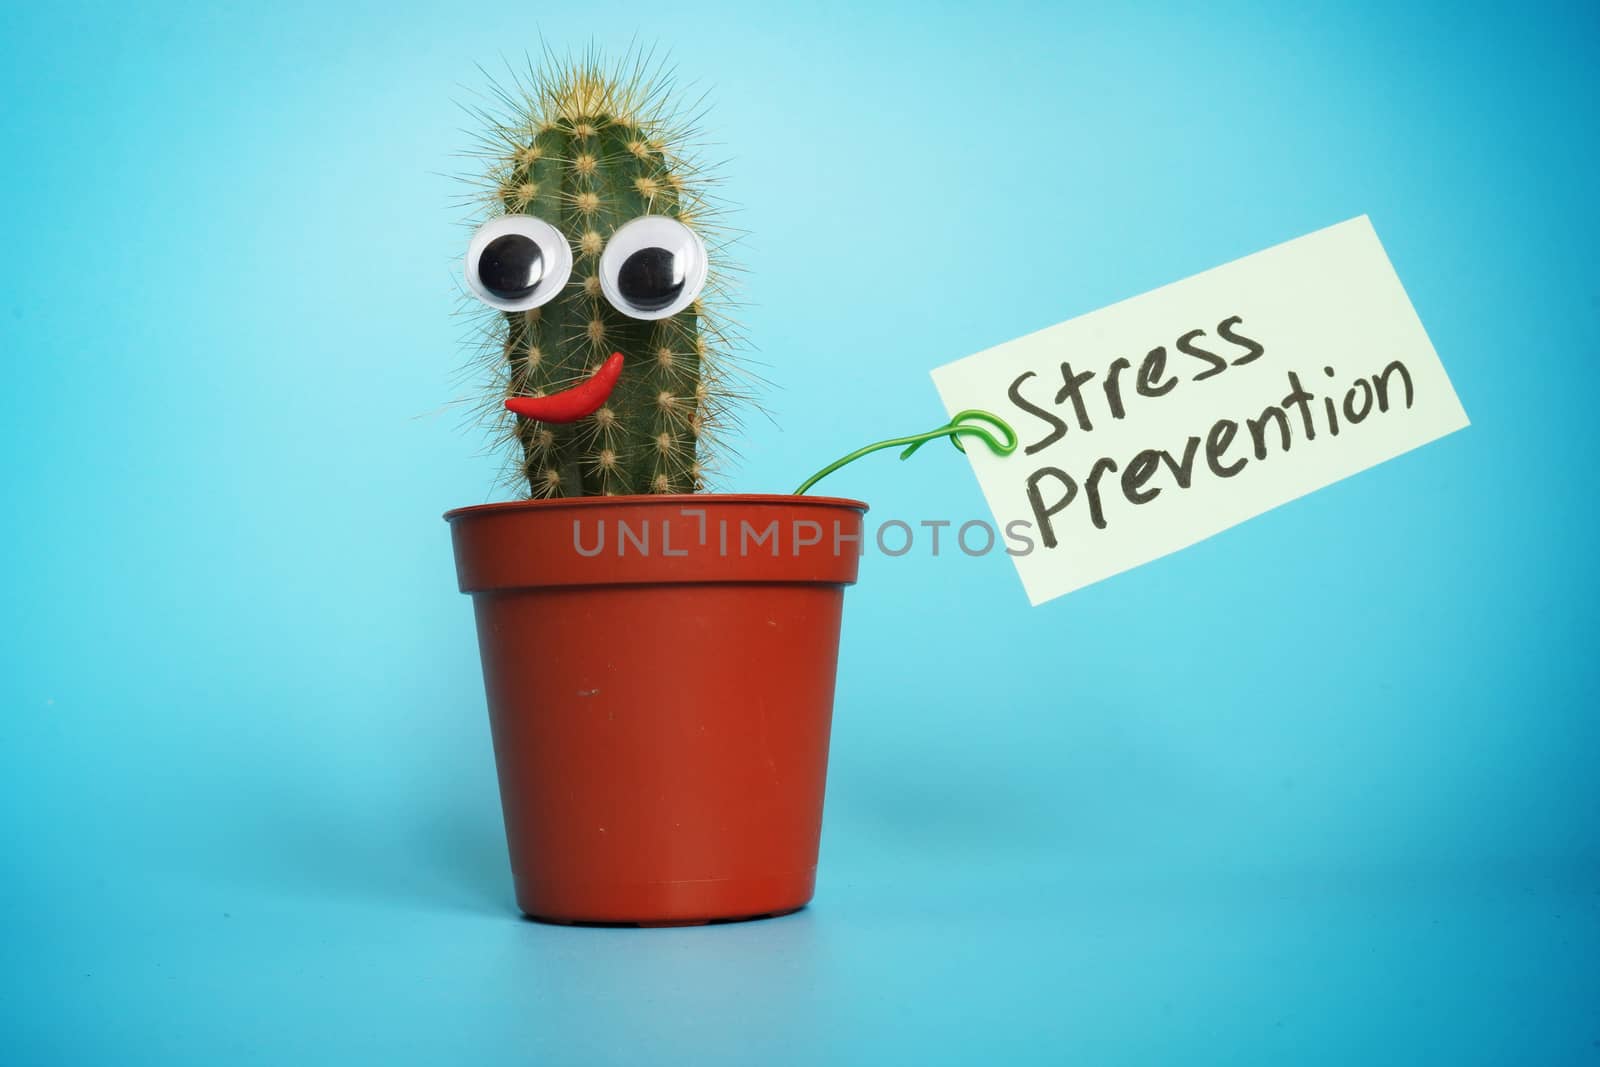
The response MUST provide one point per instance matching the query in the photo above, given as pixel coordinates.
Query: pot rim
(655, 499)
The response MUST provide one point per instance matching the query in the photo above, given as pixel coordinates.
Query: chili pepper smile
(574, 402)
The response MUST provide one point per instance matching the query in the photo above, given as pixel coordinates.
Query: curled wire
(968, 423)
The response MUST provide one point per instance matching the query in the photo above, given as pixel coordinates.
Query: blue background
(1319, 790)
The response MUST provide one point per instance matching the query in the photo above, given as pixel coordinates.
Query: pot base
(665, 924)
(681, 903)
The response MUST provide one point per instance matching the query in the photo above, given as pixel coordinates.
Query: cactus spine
(587, 149)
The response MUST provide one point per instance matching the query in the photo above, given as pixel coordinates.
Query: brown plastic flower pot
(660, 678)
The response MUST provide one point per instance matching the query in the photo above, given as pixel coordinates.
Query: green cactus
(588, 149)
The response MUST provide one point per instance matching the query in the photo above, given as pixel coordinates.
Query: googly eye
(653, 267)
(517, 262)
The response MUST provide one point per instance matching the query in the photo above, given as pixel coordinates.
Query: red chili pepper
(573, 403)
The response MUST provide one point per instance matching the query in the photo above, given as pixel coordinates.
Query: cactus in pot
(660, 700)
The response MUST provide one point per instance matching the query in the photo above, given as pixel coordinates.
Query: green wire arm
(968, 423)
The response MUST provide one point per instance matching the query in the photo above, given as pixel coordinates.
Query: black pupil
(510, 266)
(650, 279)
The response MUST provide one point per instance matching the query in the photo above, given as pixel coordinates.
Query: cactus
(589, 149)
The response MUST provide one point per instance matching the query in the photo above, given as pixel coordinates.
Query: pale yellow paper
(1331, 298)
